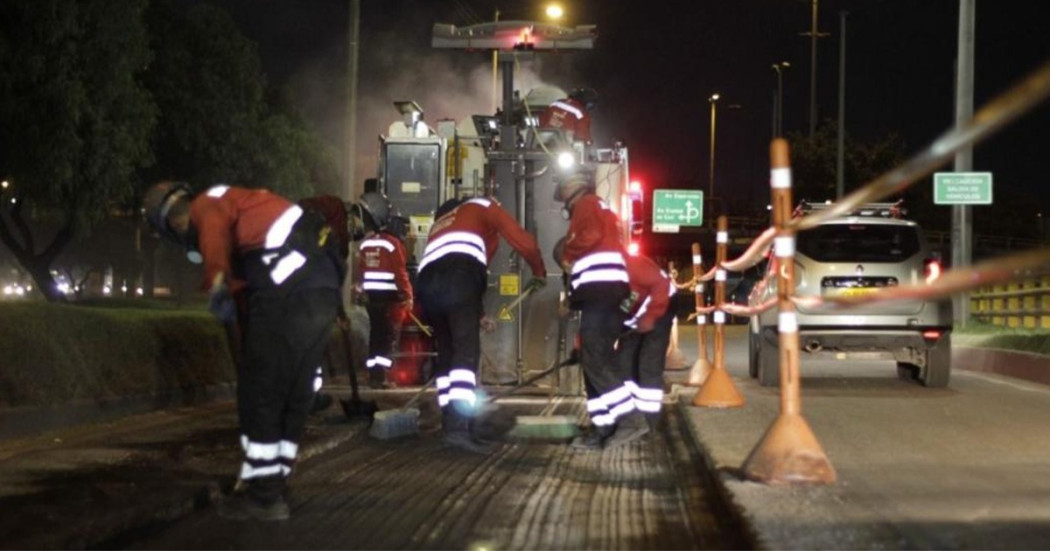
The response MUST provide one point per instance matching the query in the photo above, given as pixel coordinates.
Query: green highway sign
(675, 208)
(962, 188)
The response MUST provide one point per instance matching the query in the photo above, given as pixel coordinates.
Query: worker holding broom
(383, 277)
(283, 256)
(450, 286)
(642, 348)
(593, 253)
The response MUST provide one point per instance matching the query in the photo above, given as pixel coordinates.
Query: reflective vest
(593, 244)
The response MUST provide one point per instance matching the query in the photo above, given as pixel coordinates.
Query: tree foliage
(75, 119)
(216, 124)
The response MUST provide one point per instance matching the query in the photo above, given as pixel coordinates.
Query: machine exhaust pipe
(813, 346)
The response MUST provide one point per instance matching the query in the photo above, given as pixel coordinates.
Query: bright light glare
(566, 160)
(633, 249)
(636, 186)
(555, 11)
(138, 291)
(107, 290)
(4, 184)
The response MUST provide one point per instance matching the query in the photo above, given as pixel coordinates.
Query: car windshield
(859, 243)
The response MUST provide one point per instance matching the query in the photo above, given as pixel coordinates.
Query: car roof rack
(880, 210)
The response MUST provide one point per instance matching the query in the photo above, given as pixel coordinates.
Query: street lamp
(778, 103)
(554, 11)
(713, 100)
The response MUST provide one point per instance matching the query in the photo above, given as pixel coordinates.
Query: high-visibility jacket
(334, 212)
(569, 115)
(473, 229)
(232, 221)
(651, 291)
(381, 262)
(593, 246)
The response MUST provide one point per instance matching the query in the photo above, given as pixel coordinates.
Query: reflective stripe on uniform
(455, 242)
(566, 107)
(381, 243)
(648, 400)
(599, 267)
(281, 228)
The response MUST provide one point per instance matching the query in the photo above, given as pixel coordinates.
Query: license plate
(857, 291)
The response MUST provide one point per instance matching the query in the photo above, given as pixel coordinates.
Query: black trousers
(284, 343)
(601, 321)
(450, 291)
(383, 331)
(642, 357)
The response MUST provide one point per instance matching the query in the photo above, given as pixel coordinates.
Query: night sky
(656, 63)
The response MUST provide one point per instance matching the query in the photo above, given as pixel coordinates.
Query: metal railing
(1020, 304)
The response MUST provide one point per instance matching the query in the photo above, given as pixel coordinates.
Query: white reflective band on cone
(697, 260)
(720, 275)
(784, 247)
(722, 237)
(787, 322)
(720, 317)
(780, 178)
(701, 320)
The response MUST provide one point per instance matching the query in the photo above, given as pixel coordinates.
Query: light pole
(713, 100)
(778, 105)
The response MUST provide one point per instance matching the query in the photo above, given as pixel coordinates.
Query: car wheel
(907, 371)
(939, 363)
(768, 362)
(752, 354)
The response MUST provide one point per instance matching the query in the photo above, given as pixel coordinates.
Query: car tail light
(931, 335)
(931, 270)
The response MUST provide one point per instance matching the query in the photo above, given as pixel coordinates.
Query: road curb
(715, 476)
(1020, 365)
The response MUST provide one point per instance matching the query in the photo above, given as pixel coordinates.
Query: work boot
(594, 439)
(628, 429)
(377, 379)
(655, 421)
(492, 423)
(457, 429)
(241, 506)
(321, 402)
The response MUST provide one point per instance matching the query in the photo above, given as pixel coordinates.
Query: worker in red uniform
(383, 277)
(643, 347)
(451, 284)
(282, 255)
(333, 209)
(594, 254)
(571, 115)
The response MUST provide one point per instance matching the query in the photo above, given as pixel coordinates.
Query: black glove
(537, 283)
(221, 305)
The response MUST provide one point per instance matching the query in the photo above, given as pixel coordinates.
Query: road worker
(571, 115)
(451, 284)
(594, 255)
(383, 278)
(282, 256)
(333, 209)
(641, 350)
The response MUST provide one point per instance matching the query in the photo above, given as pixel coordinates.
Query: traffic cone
(675, 360)
(702, 367)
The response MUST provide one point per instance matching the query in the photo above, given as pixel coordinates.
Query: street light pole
(778, 105)
(813, 35)
(713, 100)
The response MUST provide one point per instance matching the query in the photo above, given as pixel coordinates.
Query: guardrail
(1021, 304)
(789, 452)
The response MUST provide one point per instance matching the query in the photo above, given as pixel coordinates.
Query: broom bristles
(394, 423)
(545, 427)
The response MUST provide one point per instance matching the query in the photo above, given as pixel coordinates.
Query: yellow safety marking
(509, 285)
(504, 315)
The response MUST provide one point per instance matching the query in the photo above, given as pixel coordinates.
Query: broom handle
(570, 361)
(520, 298)
(420, 324)
(411, 402)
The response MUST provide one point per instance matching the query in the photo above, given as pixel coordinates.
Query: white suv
(867, 250)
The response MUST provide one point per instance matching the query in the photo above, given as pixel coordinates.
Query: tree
(216, 124)
(814, 160)
(75, 121)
